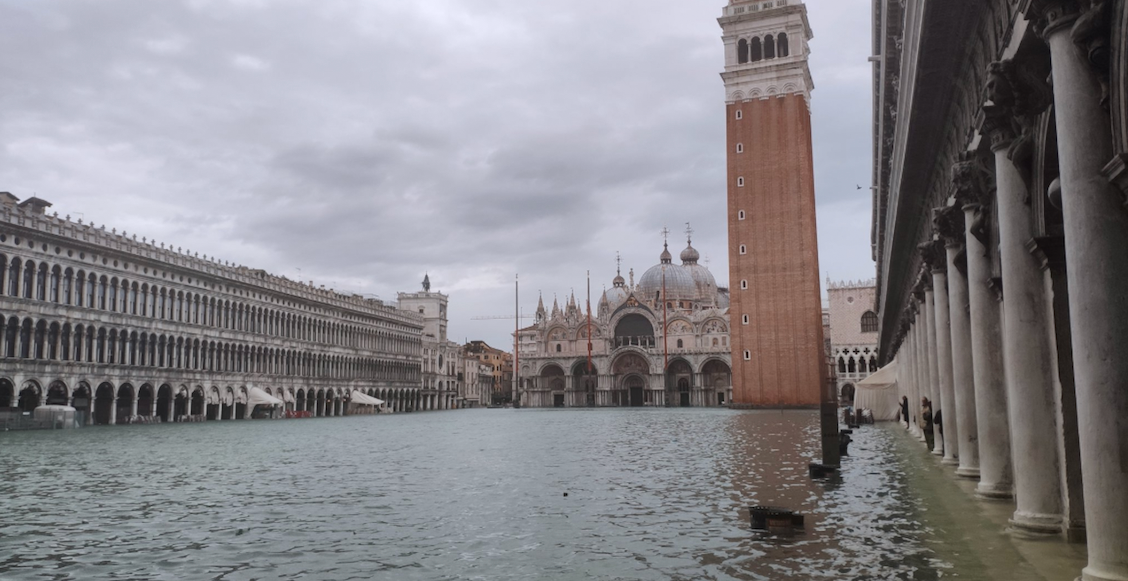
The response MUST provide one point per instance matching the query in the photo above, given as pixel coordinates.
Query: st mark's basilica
(641, 353)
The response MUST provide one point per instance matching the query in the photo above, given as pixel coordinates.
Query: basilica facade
(663, 342)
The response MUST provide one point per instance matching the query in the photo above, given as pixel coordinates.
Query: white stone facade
(764, 40)
(634, 331)
(853, 332)
(127, 330)
(442, 358)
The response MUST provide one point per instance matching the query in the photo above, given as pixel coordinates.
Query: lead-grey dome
(678, 281)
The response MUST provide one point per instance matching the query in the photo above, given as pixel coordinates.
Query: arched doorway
(635, 387)
(584, 381)
(29, 396)
(80, 401)
(330, 403)
(145, 401)
(301, 400)
(552, 379)
(717, 377)
(103, 404)
(164, 403)
(679, 378)
(847, 395)
(213, 404)
(634, 329)
(180, 406)
(7, 393)
(227, 411)
(124, 412)
(198, 402)
(57, 394)
(631, 370)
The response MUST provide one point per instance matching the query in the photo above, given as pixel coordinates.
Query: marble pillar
(944, 367)
(1096, 236)
(1026, 348)
(996, 476)
(933, 377)
(963, 374)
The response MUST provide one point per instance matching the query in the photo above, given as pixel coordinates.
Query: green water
(476, 494)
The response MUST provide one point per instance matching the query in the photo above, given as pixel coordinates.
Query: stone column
(937, 260)
(1026, 348)
(1096, 235)
(921, 358)
(933, 378)
(133, 406)
(996, 477)
(963, 375)
(113, 410)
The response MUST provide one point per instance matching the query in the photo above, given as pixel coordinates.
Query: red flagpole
(589, 321)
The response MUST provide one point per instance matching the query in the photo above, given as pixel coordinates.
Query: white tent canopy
(360, 398)
(260, 397)
(878, 393)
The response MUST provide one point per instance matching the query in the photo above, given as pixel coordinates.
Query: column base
(972, 473)
(1036, 525)
(1089, 574)
(994, 491)
(950, 461)
(936, 452)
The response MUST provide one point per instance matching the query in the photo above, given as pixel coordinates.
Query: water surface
(475, 494)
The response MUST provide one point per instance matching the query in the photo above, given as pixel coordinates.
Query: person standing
(905, 411)
(926, 421)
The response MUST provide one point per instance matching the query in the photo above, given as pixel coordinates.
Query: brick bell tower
(778, 357)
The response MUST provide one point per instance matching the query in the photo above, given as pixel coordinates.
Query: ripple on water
(652, 494)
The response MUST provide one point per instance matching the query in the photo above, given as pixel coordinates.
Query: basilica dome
(679, 282)
(702, 279)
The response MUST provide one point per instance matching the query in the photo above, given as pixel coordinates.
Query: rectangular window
(744, 319)
(740, 182)
(740, 215)
(739, 114)
(740, 148)
(747, 355)
(744, 285)
(743, 249)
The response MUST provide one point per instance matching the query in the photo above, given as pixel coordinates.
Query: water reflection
(651, 494)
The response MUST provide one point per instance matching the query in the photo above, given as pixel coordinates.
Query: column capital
(1013, 97)
(948, 224)
(932, 253)
(1049, 15)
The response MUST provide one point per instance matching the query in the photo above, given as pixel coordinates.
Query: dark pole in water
(829, 417)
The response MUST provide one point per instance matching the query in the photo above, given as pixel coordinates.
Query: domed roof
(678, 281)
(616, 295)
(702, 278)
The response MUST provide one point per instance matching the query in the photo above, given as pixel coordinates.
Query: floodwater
(475, 494)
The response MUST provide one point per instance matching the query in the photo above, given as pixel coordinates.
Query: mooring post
(829, 416)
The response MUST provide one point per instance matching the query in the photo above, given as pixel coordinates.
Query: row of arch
(758, 49)
(634, 363)
(859, 365)
(124, 403)
(55, 341)
(24, 278)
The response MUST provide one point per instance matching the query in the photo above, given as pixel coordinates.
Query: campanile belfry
(776, 311)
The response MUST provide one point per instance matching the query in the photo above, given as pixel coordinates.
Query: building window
(740, 215)
(869, 322)
(740, 182)
(680, 344)
(740, 148)
(744, 319)
(784, 49)
(557, 347)
(755, 50)
(744, 285)
(739, 114)
(747, 355)
(769, 47)
(743, 249)
(742, 51)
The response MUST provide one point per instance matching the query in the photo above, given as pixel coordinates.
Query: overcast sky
(362, 143)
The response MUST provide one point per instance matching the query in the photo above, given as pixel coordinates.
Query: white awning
(878, 393)
(260, 397)
(360, 398)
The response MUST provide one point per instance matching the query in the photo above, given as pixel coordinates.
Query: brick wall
(784, 333)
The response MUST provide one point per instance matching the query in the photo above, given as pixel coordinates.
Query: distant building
(675, 314)
(500, 365)
(132, 331)
(853, 332)
(441, 356)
